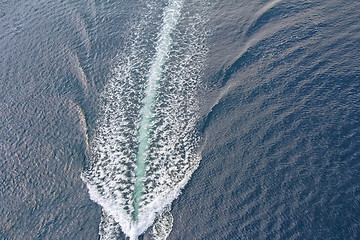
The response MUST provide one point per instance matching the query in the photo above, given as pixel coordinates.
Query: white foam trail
(171, 16)
(145, 147)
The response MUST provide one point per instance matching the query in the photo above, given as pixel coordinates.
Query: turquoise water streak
(171, 15)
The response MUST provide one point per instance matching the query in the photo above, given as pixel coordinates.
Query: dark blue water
(279, 118)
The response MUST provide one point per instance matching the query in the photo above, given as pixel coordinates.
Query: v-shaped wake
(146, 146)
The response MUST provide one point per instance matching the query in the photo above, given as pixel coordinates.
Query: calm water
(266, 92)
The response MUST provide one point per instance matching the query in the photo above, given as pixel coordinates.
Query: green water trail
(171, 15)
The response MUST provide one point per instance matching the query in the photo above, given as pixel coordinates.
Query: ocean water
(180, 119)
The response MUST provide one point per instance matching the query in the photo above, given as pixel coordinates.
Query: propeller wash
(146, 146)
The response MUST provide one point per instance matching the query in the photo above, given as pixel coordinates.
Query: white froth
(150, 101)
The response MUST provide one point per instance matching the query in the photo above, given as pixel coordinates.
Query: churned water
(180, 119)
(145, 145)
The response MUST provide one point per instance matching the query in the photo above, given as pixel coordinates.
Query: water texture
(146, 147)
(110, 109)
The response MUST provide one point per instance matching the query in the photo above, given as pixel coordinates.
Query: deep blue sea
(180, 119)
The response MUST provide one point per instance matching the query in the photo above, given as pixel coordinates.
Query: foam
(145, 147)
(171, 16)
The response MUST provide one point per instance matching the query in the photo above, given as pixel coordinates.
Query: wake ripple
(146, 147)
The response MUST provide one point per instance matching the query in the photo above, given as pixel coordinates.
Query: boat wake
(145, 146)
